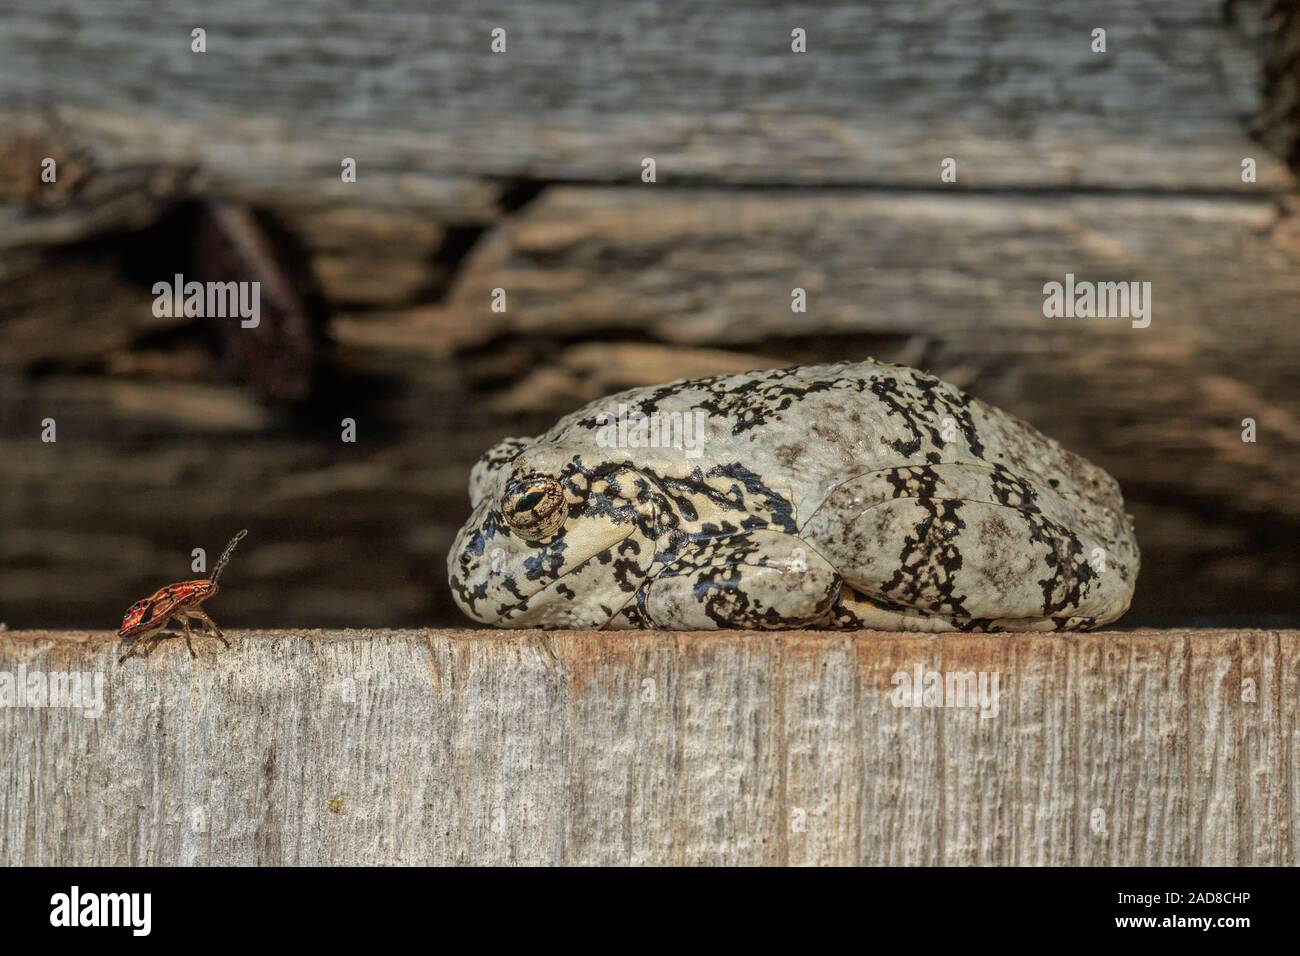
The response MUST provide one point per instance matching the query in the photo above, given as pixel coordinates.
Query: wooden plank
(711, 266)
(586, 90)
(365, 747)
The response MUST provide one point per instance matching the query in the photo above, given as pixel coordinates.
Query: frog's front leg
(757, 579)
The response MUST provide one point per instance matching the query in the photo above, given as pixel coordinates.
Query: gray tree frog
(854, 495)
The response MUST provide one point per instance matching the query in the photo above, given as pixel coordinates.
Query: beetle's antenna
(225, 555)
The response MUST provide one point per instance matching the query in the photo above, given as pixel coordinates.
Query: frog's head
(555, 539)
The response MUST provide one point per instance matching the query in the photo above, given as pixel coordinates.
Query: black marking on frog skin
(843, 619)
(473, 548)
(634, 611)
(916, 481)
(504, 452)
(748, 403)
(507, 610)
(636, 614)
(1071, 576)
(756, 401)
(477, 542)
(1012, 490)
(508, 583)
(765, 500)
(921, 564)
(472, 597)
(929, 560)
(767, 508)
(780, 508)
(710, 530)
(721, 587)
(1069, 579)
(923, 401)
(671, 499)
(545, 563)
(627, 572)
(676, 497)
(467, 596)
(649, 403)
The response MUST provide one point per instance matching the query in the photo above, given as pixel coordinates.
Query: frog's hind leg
(763, 580)
(854, 610)
(971, 544)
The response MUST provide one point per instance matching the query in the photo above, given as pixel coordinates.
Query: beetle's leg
(210, 625)
(189, 636)
(149, 642)
(143, 642)
(130, 650)
(163, 633)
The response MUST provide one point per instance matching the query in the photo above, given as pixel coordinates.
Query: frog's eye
(534, 507)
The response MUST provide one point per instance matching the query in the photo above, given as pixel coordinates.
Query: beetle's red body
(154, 611)
(179, 602)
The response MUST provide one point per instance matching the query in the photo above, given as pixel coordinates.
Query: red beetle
(178, 602)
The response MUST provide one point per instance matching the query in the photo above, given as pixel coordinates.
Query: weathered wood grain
(413, 747)
(711, 266)
(586, 89)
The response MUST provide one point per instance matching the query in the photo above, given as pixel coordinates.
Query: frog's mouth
(497, 578)
(586, 597)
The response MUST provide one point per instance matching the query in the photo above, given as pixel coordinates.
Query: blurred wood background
(522, 171)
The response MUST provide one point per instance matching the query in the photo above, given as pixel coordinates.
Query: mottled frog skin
(835, 496)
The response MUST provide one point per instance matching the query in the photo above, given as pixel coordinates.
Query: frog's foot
(854, 610)
(764, 580)
(974, 546)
